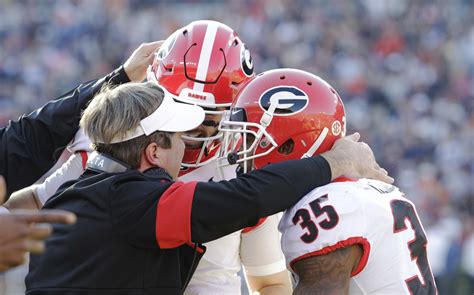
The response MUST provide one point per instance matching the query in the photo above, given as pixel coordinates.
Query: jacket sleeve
(200, 212)
(224, 207)
(170, 214)
(30, 146)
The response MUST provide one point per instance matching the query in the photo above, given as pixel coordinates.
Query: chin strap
(316, 144)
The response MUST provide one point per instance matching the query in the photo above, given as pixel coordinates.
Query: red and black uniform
(140, 233)
(30, 146)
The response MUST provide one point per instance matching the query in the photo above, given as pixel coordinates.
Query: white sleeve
(80, 142)
(70, 170)
(260, 250)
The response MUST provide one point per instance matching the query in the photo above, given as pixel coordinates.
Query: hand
(19, 234)
(351, 158)
(137, 64)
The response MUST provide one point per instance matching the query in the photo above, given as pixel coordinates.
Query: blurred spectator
(405, 70)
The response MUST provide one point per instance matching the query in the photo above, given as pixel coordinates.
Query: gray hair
(114, 111)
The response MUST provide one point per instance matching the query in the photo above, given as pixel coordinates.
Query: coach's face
(170, 159)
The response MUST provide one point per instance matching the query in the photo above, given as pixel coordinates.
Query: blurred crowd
(405, 70)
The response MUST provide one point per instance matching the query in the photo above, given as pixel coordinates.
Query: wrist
(119, 76)
(336, 163)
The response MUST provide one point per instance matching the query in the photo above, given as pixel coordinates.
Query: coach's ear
(150, 156)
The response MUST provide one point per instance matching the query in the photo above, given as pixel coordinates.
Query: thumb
(354, 136)
(149, 48)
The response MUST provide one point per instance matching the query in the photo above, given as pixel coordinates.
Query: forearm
(31, 145)
(24, 199)
(224, 207)
(277, 289)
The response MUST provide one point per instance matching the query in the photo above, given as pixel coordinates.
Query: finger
(354, 136)
(382, 175)
(35, 247)
(149, 48)
(16, 259)
(45, 216)
(4, 267)
(3, 189)
(40, 231)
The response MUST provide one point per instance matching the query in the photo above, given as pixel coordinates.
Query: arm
(263, 260)
(220, 208)
(277, 283)
(36, 140)
(150, 213)
(24, 199)
(34, 197)
(327, 274)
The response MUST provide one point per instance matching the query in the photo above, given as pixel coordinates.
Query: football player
(206, 64)
(353, 236)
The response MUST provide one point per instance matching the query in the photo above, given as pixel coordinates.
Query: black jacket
(140, 233)
(30, 146)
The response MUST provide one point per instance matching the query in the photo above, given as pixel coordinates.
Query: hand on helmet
(354, 159)
(137, 64)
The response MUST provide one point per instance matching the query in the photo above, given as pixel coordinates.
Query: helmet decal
(336, 128)
(246, 60)
(290, 100)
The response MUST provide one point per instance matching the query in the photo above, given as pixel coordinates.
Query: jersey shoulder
(336, 215)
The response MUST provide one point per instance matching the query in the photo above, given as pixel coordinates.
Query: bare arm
(327, 274)
(278, 283)
(24, 199)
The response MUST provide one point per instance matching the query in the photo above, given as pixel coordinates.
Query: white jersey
(372, 214)
(257, 249)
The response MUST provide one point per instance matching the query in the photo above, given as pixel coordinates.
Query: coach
(30, 146)
(139, 231)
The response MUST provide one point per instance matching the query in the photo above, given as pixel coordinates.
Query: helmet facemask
(242, 140)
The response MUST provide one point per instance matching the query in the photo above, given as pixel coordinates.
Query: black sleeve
(30, 146)
(220, 208)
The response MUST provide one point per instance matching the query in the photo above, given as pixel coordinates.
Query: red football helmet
(281, 114)
(204, 63)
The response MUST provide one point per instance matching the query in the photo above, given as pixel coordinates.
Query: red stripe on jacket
(173, 215)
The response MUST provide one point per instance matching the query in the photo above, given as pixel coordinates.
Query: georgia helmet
(280, 115)
(204, 63)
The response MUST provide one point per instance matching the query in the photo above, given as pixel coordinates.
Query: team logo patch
(289, 99)
(336, 128)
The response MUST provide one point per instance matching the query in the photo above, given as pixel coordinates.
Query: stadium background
(405, 70)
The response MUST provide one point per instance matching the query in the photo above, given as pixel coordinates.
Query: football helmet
(204, 63)
(280, 115)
